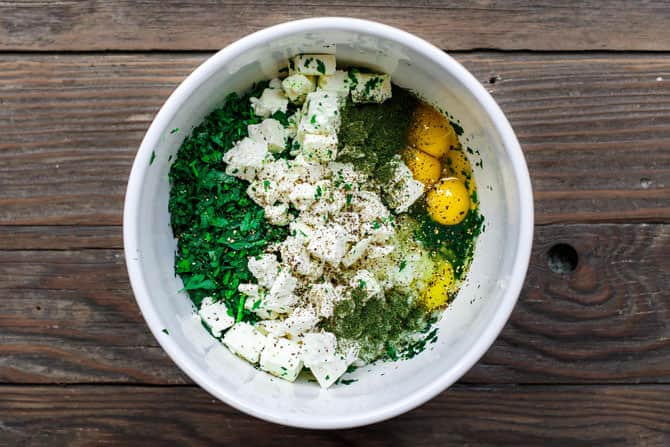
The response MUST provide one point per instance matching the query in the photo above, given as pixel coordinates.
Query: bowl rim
(177, 99)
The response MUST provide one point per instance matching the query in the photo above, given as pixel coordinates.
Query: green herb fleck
(175, 130)
(402, 265)
(320, 66)
(165, 331)
(153, 157)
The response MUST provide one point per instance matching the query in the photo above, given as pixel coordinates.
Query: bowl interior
(383, 389)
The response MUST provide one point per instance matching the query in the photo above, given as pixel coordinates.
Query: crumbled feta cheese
(244, 340)
(371, 87)
(281, 357)
(297, 86)
(350, 221)
(329, 243)
(309, 171)
(265, 269)
(271, 131)
(319, 147)
(323, 296)
(369, 206)
(215, 316)
(320, 355)
(403, 190)
(271, 100)
(344, 173)
(293, 121)
(277, 214)
(366, 281)
(301, 320)
(271, 327)
(302, 196)
(263, 192)
(294, 254)
(300, 230)
(338, 83)
(275, 83)
(380, 251)
(356, 252)
(246, 158)
(313, 64)
(280, 298)
(320, 114)
(274, 171)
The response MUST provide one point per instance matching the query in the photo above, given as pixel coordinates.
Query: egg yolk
(436, 294)
(425, 168)
(448, 202)
(457, 165)
(431, 132)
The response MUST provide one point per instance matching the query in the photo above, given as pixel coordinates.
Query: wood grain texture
(69, 316)
(210, 25)
(59, 237)
(595, 130)
(487, 416)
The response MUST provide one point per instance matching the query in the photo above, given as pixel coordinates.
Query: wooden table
(585, 357)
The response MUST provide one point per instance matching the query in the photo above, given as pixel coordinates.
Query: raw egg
(448, 202)
(425, 168)
(436, 294)
(457, 165)
(431, 132)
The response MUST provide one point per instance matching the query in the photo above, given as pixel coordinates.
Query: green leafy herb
(216, 224)
(402, 265)
(175, 130)
(153, 157)
(165, 331)
(320, 66)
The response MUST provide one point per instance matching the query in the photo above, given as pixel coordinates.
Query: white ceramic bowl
(468, 327)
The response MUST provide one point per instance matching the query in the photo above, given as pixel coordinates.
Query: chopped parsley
(320, 66)
(216, 224)
(153, 157)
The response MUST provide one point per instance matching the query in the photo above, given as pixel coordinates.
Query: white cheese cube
(329, 243)
(281, 358)
(271, 100)
(277, 214)
(379, 251)
(320, 355)
(309, 171)
(297, 86)
(344, 173)
(356, 252)
(301, 320)
(300, 230)
(293, 121)
(265, 269)
(320, 114)
(366, 281)
(215, 316)
(244, 340)
(275, 83)
(302, 196)
(271, 327)
(280, 298)
(313, 64)
(319, 147)
(403, 190)
(350, 221)
(324, 297)
(263, 192)
(371, 87)
(271, 131)
(294, 254)
(369, 206)
(246, 158)
(338, 83)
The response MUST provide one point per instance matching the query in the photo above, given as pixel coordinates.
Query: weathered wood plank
(491, 416)
(69, 316)
(210, 25)
(59, 237)
(595, 130)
